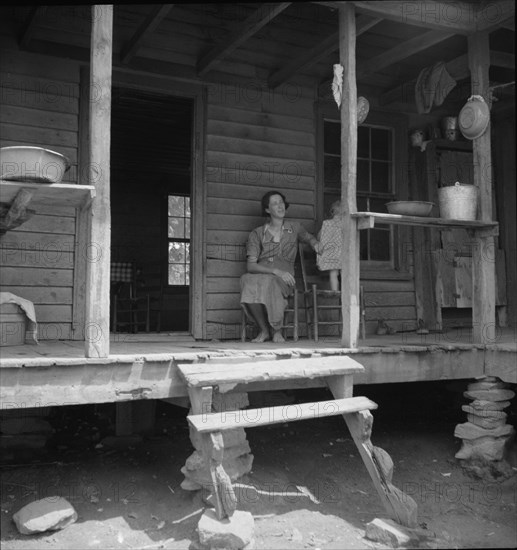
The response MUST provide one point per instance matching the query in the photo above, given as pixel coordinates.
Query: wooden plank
(38, 117)
(98, 272)
(251, 418)
(205, 374)
(402, 51)
(35, 276)
(62, 194)
(242, 31)
(438, 16)
(421, 221)
(82, 216)
(147, 27)
(43, 295)
(348, 110)
(317, 53)
(483, 271)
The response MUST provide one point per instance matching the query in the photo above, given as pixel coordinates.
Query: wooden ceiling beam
(402, 51)
(493, 15)
(261, 17)
(458, 17)
(459, 70)
(319, 52)
(29, 25)
(147, 27)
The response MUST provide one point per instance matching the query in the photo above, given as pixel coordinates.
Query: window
(374, 183)
(178, 234)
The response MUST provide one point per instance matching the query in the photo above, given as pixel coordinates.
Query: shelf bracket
(17, 213)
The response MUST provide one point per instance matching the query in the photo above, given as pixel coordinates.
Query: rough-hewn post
(98, 265)
(350, 255)
(483, 253)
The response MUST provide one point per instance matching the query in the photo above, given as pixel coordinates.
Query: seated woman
(271, 251)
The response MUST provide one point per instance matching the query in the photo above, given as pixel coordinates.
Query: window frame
(167, 285)
(398, 266)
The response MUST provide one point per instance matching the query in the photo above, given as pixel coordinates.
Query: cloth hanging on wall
(432, 87)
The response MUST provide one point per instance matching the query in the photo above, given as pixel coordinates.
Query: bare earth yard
(308, 487)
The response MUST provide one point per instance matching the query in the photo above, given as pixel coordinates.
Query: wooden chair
(319, 299)
(130, 310)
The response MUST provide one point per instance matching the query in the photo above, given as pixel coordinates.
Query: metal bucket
(458, 201)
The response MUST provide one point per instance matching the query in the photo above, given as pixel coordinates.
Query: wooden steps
(251, 418)
(210, 374)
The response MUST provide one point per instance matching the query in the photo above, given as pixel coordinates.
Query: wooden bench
(203, 379)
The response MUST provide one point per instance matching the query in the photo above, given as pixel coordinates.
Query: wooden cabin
(177, 118)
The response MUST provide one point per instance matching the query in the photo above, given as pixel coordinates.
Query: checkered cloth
(121, 272)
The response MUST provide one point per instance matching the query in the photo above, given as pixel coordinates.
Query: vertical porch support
(350, 254)
(98, 252)
(483, 253)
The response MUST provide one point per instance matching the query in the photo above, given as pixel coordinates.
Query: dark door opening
(151, 155)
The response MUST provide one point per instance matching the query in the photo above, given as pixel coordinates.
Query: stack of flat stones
(237, 460)
(486, 435)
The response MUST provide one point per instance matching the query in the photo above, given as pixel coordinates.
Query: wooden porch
(145, 366)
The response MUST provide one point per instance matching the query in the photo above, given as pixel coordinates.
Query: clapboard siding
(255, 142)
(39, 107)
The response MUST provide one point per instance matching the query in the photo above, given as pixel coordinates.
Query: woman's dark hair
(265, 201)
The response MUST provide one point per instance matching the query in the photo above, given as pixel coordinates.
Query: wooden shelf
(49, 194)
(367, 220)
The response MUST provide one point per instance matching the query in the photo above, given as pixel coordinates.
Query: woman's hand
(285, 276)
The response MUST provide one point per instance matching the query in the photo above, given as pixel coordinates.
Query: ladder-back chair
(130, 310)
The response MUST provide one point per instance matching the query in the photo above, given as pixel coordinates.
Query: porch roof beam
(458, 68)
(402, 51)
(27, 31)
(319, 52)
(148, 26)
(261, 17)
(457, 17)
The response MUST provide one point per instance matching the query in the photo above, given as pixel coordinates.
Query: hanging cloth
(432, 87)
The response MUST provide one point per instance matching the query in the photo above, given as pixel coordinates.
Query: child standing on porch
(331, 242)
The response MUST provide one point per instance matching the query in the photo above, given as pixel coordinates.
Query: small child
(330, 244)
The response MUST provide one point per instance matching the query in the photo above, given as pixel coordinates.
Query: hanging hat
(474, 117)
(363, 108)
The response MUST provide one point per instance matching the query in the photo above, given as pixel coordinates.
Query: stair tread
(214, 374)
(249, 418)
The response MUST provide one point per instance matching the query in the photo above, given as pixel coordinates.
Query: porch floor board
(145, 366)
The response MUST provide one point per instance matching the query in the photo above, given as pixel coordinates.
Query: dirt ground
(308, 487)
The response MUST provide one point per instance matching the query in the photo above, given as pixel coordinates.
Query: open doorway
(151, 185)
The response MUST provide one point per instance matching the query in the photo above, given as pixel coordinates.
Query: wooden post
(350, 253)
(98, 253)
(483, 253)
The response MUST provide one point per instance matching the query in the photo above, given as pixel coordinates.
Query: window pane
(363, 244)
(332, 172)
(379, 244)
(187, 207)
(379, 205)
(187, 274)
(176, 274)
(187, 253)
(381, 144)
(176, 228)
(363, 175)
(332, 137)
(187, 228)
(177, 253)
(176, 206)
(381, 176)
(362, 204)
(363, 140)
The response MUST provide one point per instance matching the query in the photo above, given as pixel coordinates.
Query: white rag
(31, 333)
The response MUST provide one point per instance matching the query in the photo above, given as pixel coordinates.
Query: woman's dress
(265, 288)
